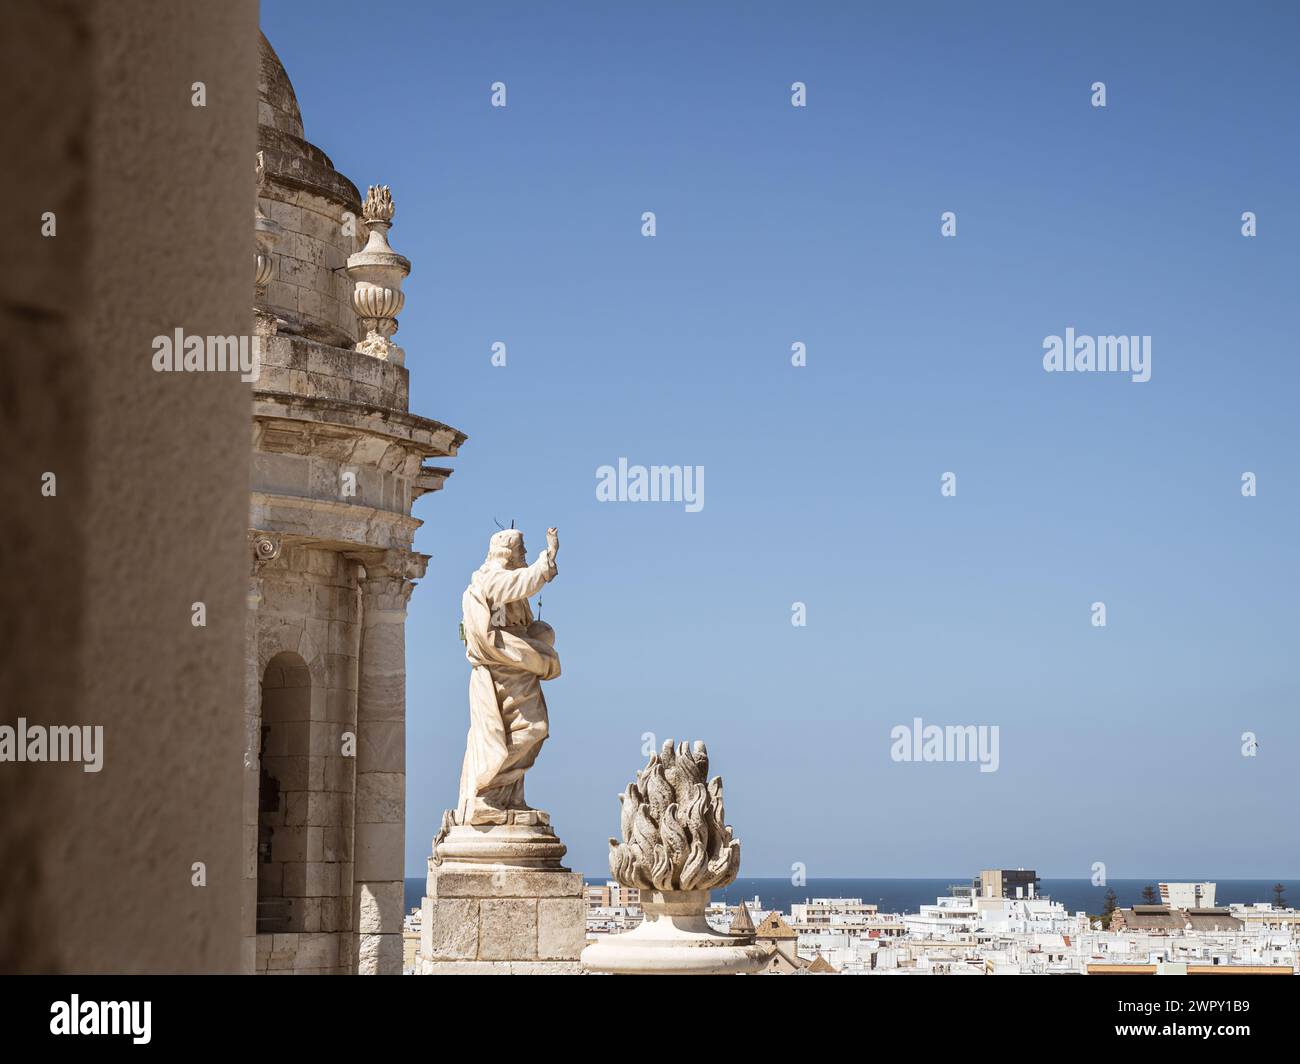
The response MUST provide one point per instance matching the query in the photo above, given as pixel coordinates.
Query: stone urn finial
(676, 846)
(266, 232)
(377, 272)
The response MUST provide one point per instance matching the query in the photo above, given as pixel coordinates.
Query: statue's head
(506, 548)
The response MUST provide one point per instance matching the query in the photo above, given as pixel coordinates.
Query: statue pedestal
(513, 845)
(500, 903)
(674, 939)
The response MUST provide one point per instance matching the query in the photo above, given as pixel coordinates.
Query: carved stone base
(479, 811)
(381, 347)
(675, 939)
(500, 968)
(501, 920)
(513, 845)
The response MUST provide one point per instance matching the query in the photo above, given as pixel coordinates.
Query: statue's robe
(511, 654)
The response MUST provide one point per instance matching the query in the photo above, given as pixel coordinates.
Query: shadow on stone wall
(152, 200)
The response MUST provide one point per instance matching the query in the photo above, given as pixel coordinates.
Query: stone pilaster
(386, 579)
(263, 547)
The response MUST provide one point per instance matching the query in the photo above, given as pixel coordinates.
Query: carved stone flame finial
(378, 206)
(674, 833)
(676, 846)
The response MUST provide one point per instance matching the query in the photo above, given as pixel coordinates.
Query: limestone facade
(337, 462)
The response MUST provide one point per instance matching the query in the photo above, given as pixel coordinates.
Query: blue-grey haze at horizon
(777, 224)
(908, 895)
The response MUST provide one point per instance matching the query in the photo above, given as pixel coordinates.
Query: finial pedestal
(675, 939)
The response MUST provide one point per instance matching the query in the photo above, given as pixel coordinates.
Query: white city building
(1187, 895)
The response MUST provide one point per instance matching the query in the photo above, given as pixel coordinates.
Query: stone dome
(290, 157)
(277, 103)
(308, 293)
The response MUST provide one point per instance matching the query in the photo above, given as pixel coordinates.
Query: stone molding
(433, 438)
(335, 526)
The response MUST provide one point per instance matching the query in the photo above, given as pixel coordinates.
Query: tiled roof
(774, 927)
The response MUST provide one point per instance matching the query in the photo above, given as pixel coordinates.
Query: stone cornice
(432, 438)
(431, 478)
(332, 526)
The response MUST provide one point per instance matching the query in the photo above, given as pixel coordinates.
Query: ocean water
(908, 895)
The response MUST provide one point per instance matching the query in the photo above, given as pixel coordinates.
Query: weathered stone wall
(301, 954)
(304, 367)
(309, 288)
(153, 199)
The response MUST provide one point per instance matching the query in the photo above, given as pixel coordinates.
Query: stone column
(264, 547)
(379, 840)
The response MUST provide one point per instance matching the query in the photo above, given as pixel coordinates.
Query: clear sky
(821, 225)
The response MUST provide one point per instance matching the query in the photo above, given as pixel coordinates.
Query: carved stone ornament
(266, 232)
(674, 835)
(265, 547)
(676, 845)
(377, 272)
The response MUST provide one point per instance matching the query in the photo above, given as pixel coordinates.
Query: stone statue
(511, 653)
(498, 898)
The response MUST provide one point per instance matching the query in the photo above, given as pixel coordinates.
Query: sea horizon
(903, 894)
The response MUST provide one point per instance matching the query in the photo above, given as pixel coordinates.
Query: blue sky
(822, 225)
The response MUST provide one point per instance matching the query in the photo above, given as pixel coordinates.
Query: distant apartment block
(611, 896)
(1187, 895)
(1006, 883)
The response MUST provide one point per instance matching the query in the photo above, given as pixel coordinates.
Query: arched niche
(282, 792)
